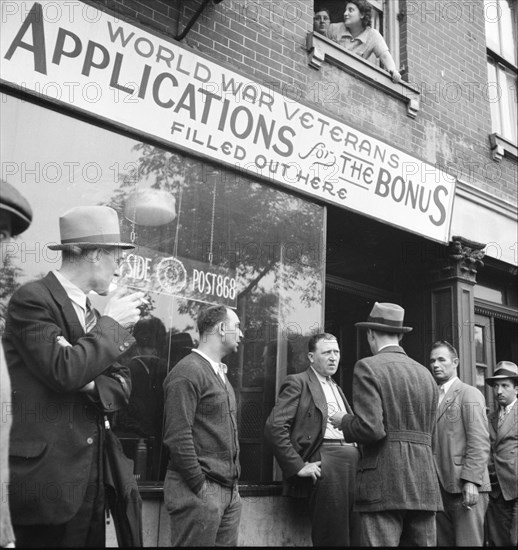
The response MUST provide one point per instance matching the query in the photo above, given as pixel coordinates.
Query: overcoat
(57, 430)
(504, 453)
(395, 402)
(462, 445)
(296, 425)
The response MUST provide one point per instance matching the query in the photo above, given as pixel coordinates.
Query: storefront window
(204, 235)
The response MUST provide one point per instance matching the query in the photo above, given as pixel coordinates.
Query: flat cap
(12, 201)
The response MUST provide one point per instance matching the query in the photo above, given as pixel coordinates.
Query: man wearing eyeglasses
(62, 358)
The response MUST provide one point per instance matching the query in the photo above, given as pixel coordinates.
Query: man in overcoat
(394, 401)
(461, 453)
(502, 513)
(315, 459)
(62, 359)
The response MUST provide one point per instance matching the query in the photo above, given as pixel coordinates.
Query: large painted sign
(74, 54)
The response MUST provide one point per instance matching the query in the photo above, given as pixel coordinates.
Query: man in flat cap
(15, 217)
(502, 513)
(62, 358)
(394, 402)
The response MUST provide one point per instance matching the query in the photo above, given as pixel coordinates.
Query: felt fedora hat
(13, 202)
(504, 369)
(386, 318)
(90, 227)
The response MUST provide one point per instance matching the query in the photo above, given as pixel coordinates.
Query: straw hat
(90, 227)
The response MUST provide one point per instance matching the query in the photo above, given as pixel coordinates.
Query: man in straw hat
(394, 401)
(502, 513)
(15, 217)
(62, 358)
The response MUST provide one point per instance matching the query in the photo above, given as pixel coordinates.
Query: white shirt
(334, 403)
(446, 386)
(77, 297)
(504, 411)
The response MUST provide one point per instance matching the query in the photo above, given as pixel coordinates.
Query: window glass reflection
(203, 235)
(480, 344)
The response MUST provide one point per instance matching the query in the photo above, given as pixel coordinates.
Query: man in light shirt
(315, 460)
(502, 513)
(461, 453)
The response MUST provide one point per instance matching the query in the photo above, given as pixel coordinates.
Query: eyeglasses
(117, 255)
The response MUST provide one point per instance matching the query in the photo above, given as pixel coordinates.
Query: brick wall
(443, 49)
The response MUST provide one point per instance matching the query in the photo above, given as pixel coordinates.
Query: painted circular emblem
(171, 274)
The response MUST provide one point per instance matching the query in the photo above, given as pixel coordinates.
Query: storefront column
(452, 282)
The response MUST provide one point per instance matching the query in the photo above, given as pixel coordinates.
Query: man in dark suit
(461, 453)
(395, 401)
(62, 358)
(315, 459)
(502, 513)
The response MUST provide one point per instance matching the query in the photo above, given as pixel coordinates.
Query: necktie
(501, 416)
(90, 316)
(331, 383)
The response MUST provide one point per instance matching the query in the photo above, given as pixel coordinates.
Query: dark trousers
(331, 502)
(86, 529)
(502, 521)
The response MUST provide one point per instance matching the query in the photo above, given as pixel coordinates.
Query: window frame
(504, 137)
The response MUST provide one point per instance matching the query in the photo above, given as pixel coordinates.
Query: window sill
(322, 49)
(155, 490)
(501, 147)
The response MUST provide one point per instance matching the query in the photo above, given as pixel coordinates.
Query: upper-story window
(500, 20)
(383, 19)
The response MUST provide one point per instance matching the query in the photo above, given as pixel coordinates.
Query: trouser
(458, 525)
(502, 521)
(398, 528)
(209, 518)
(331, 502)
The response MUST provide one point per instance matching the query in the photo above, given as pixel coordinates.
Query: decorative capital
(461, 260)
(465, 258)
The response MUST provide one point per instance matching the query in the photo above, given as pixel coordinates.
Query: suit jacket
(504, 454)
(55, 426)
(395, 401)
(462, 439)
(296, 425)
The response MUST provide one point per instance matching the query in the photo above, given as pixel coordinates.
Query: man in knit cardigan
(200, 488)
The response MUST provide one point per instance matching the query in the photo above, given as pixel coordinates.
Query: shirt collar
(73, 291)
(507, 408)
(322, 379)
(447, 385)
(214, 364)
(362, 37)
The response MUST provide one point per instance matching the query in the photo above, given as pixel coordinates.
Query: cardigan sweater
(201, 424)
